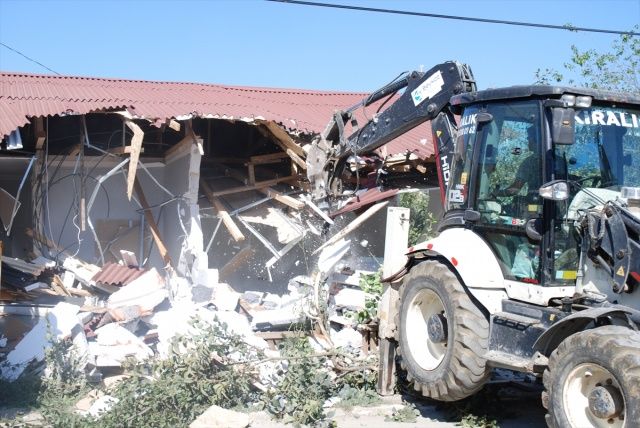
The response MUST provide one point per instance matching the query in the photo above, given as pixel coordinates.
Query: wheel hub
(592, 397)
(423, 315)
(437, 328)
(605, 402)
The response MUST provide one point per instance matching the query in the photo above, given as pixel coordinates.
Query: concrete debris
(346, 338)
(349, 298)
(218, 417)
(58, 324)
(115, 344)
(145, 292)
(225, 298)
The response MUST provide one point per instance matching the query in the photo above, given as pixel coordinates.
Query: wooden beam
(134, 155)
(268, 158)
(241, 258)
(173, 124)
(231, 226)
(252, 174)
(155, 232)
(183, 144)
(287, 200)
(284, 141)
(122, 150)
(282, 136)
(39, 133)
(297, 159)
(258, 185)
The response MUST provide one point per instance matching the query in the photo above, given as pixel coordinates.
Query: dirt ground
(512, 406)
(525, 411)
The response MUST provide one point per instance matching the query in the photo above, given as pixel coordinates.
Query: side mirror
(563, 128)
(556, 190)
(483, 117)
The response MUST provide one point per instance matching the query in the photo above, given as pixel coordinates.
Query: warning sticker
(427, 89)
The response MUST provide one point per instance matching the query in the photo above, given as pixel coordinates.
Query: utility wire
(30, 59)
(459, 18)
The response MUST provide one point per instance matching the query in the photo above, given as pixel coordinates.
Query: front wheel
(593, 380)
(442, 334)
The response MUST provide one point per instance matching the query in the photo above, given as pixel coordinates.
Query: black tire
(615, 349)
(462, 370)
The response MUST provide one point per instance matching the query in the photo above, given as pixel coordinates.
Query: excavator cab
(496, 173)
(521, 142)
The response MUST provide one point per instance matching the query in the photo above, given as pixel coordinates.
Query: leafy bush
(371, 285)
(175, 391)
(422, 221)
(299, 398)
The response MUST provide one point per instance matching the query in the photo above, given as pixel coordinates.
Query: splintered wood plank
(240, 259)
(134, 155)
(231, 226)
(287, 200)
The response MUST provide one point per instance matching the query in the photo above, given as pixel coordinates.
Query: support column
(396, 239)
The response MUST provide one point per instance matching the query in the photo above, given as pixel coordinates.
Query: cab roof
(543, 91)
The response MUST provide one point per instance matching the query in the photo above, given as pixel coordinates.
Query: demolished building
(178, 173)
(106, 182)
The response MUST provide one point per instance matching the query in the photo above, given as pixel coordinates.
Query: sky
(267, 44)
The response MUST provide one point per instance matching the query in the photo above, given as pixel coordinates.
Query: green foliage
(473, 421)
(617, 69)
(351, 397)
(22, 393)
(371, 285)
(175, 391)
(422, 221)
(62, 385)
(209, 367)
(304, 388)
(365, 378)
(407, 413)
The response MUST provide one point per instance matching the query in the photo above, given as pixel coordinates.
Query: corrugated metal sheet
(23, 96)
(361, 200)
(115, 274)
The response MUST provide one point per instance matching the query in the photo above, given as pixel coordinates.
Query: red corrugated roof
(23, 96)
(115, 274)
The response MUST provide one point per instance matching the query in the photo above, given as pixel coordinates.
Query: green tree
(617, 69)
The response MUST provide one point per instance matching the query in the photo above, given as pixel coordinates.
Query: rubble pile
(120, 313)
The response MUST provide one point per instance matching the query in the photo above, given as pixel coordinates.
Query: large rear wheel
(593, 380)
(442, 335)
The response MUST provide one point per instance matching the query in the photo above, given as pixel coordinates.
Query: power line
(459, 18)
(30, 59)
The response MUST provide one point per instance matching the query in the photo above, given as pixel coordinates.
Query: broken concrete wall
(116, 220)
(177, 213)
(12, 170)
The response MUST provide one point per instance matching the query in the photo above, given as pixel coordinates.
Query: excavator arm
(426, 97)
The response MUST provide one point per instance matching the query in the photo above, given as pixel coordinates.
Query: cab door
(503, 189)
